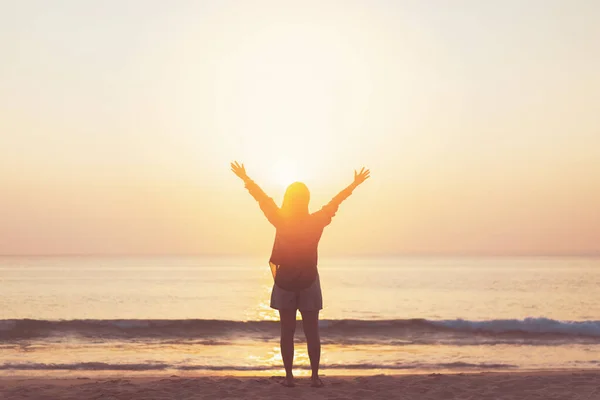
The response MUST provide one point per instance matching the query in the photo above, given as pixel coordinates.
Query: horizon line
(365, 255)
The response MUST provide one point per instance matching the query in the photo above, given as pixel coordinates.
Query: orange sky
(479, 122)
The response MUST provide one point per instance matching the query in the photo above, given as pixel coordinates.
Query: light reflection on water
(263, 311)
(259, 309)
(249, 354)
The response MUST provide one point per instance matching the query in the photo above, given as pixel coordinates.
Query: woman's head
(295, 200)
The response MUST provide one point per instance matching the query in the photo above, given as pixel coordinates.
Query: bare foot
(288, 381)
(316, 382)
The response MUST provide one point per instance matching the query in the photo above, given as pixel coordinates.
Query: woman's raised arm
(266, 203)
(329, 210)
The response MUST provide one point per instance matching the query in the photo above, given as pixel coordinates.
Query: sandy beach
(497, 386)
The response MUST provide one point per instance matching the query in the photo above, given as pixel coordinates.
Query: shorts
(309, 299)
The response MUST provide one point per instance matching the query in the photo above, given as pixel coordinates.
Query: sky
(479, 122)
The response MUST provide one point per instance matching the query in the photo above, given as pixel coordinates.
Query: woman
(294, 263)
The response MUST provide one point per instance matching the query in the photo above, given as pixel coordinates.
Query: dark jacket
(294, 256)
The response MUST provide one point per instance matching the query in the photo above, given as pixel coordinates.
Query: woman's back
(297, 239)
(294, 256)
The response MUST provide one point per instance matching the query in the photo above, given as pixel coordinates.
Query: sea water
(381, 314)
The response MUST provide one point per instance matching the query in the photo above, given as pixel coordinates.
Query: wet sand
(562, 385)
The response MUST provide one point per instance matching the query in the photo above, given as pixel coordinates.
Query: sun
(286, 172)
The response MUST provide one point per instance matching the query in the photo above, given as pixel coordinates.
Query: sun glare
(287, 91)
(285, 173)
(290, 96)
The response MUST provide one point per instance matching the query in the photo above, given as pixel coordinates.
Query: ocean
(178, 315)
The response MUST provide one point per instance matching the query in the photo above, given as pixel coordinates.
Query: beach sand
(513, 385)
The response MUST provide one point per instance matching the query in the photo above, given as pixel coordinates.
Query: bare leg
(310, 323)
(288, 328)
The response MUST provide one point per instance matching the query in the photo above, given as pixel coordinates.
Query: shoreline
(304, 372)
(540, 384)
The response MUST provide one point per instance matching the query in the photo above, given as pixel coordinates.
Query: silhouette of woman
(294, 263)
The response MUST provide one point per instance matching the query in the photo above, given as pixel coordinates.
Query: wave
(527, 325)
(397, 332)
(100, 366)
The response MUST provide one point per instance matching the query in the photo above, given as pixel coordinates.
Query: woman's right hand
(361, 176)
(239, 170)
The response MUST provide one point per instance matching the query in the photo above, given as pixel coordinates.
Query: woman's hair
(295, 200)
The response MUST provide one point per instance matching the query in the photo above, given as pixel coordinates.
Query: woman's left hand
(360, 177)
